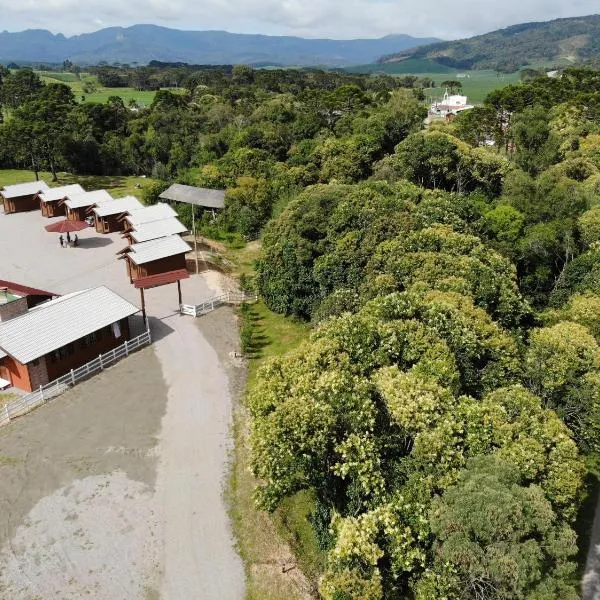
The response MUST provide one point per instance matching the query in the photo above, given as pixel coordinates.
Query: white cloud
(309, 18)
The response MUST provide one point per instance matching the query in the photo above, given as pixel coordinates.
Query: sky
(340, 19)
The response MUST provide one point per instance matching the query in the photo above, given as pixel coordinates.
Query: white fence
(27, 403)
(196, 310)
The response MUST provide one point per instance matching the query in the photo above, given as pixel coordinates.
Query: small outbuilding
(78, 204)
(196, 196)
(52, 201)
(22, 196)
(62, 334)
(109, 215)
(155, 257)
(17, 299)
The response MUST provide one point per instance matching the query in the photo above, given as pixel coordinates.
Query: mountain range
(143, 43)
(559, 42)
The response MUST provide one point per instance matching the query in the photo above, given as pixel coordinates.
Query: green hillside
(558, 42)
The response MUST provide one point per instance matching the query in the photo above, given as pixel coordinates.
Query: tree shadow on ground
(259, 337)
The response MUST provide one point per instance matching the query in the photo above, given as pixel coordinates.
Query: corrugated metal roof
(63, 191)
(156, 212)
(23, 289)
(24, 189)
(59, 322)
(159, 279)
(195, 195)
(117, 206)
(158, 229)
(161, 248)
(89, 199)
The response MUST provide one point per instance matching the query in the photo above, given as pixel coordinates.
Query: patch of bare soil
(76, 516)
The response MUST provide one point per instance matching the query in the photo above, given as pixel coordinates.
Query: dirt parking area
(78, 477)
(115, 490)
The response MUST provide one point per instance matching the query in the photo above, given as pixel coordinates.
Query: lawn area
(270, 565)
(117, 185)
(476, 84)
(100, 94)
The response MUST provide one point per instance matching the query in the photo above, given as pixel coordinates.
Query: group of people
(66, 243)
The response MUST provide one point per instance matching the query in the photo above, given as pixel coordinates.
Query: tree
(452, 85)
(563, 367)
(537, 147)
(497, 539)
(19, 87)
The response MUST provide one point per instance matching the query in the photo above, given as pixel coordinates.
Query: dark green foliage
(497, 538)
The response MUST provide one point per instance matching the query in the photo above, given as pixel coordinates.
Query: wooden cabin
(154, 230)
(148, 214)
(77, 205)
(65, 333)
(108, 216)
(155, 257)
(52, 201)
(22, 197)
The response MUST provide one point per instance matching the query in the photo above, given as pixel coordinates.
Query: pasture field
(476, 84)
(99, 94)
(117, 185)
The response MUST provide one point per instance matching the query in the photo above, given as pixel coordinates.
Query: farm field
(117, 185)
(476, 84)
(100, 93)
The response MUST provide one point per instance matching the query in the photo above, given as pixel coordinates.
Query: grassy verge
(117, 185)
(279, 551)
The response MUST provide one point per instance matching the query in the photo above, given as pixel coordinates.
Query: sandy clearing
(77, 481)
(93, 538)
(175, 469)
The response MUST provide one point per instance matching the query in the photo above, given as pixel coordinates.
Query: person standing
(68, 238)
(61, 240)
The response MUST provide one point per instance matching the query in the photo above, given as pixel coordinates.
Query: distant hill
(143, 43)
(558, 42)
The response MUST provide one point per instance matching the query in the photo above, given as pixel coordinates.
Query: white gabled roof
(117, 206)
(61, 321)
(156, 212)
(89, 199)
(24, 189)
(157, 229)
(63, 191)
(146, 252)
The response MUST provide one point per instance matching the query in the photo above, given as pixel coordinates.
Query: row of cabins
(155, 246)
(41, 341)
(70, 201)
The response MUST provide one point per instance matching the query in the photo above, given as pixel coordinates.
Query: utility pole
(195, 238)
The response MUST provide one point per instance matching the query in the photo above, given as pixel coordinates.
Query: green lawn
(117, 185)
(476, 84)
(100, 94)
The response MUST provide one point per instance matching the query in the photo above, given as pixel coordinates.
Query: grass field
(117, 185)
(476, 84)
(100, 93)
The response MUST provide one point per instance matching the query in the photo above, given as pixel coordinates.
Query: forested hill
(143, 43)
(562, 41)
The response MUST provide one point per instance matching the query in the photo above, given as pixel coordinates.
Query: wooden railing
(24, 404)
(197, 310)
